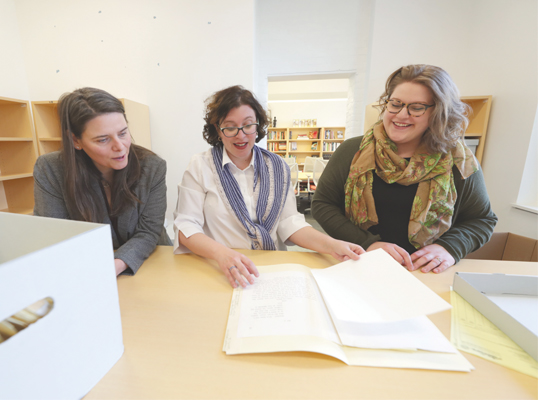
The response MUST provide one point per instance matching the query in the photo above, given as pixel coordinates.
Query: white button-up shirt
(201, 210)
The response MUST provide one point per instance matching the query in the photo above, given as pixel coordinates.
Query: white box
(508, 301)
(64, 354)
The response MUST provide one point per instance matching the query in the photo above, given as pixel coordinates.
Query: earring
(77, 147)
(220, 139)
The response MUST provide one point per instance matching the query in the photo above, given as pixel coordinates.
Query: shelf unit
(478, 120)
(49, 133)
(295, 141)
(18, 153)
(47, 126)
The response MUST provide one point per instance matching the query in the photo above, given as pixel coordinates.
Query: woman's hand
(432, 258)
(119, 265)
(237, 267)
(309, 238)
(398, 253)
(344, 251)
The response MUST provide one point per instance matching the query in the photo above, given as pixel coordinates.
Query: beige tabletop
(174, 314)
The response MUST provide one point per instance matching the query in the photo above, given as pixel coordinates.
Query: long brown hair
(222, 102)
(448, 120)
(75, 110)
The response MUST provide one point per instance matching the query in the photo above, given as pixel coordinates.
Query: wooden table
(174, 314)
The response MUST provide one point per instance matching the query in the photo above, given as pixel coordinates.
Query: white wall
(488, 47)
(12, 68)
(314, 37)
(322, 99)
(327, 113)
(169, 55)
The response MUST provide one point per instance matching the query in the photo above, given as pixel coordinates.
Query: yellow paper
(473, 333)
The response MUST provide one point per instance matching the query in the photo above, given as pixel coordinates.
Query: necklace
(106, 185)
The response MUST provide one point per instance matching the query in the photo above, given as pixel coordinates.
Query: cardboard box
(509, 247)
(508, 301)
(64, 354)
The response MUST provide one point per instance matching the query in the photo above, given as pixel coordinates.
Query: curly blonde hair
(448, 120)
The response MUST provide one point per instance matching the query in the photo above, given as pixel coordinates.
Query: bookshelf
(18, 153)
(302, 142)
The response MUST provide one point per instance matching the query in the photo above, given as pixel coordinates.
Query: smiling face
(239, 148)
(403, 129)
(106, 140)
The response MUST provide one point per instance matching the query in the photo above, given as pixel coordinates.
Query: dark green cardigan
(472, 223)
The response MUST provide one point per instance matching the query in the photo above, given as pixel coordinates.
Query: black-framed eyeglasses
(414, 109)
(231, 131)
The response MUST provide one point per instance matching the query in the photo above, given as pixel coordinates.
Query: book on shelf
(314, 146)
(281, 146)
(302, 137)
(313, 134)
(359, 312)
(293, 146)
(339, 135)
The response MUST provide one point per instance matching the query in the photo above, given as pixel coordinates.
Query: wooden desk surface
(174, 314)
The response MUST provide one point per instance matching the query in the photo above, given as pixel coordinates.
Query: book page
(285, 303)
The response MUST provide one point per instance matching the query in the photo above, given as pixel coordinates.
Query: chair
(290, 161)
(309, 164)
(319, 166)
(294, 177)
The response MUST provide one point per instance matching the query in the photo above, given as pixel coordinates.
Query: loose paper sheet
(475, 334)
(417, 333)
(375, 288)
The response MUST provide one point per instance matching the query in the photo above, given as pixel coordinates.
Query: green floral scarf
(433, 206)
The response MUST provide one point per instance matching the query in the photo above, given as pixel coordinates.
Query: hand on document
(432, 258)
(395, 251)
(237, 267)
(344, 251)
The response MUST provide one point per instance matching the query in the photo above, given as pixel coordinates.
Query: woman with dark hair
(238, 196)
(100, 176)
(410, 185)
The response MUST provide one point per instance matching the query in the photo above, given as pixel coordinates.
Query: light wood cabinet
(49, 133)
(302, 142)
(18, 153)
(478, 120)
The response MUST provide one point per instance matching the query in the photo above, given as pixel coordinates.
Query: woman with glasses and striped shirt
(237, 195)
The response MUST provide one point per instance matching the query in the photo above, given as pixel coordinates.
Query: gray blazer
(141, 226)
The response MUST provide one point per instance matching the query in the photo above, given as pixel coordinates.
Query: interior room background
(172, 54)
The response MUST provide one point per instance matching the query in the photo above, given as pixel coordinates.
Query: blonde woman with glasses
(409, 186)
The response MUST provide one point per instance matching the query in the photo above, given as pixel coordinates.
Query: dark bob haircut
(222, 102)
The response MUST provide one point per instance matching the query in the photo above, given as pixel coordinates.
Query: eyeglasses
(232, 131)
(413, 109)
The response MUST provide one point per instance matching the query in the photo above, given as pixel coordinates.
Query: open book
(369, 312)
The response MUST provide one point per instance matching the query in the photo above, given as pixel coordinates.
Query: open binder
(369, 312)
